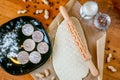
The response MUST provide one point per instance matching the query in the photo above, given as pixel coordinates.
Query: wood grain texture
(8, 11)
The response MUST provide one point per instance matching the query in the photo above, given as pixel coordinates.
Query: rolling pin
(78, 42)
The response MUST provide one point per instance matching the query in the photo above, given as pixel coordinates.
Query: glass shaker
(88, 9)
(102, 21)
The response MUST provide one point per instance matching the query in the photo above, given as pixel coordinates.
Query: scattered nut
(109, 57)
(53, 78)
(24, 0)
(46, 14)
(40, 75)
(22, 11)
(112, 69)
(30, 0)
(47, 73)
(19, 11)
(46, 17)
(45, 2)
(38, 11)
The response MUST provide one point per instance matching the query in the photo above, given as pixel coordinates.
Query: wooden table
(8, 11)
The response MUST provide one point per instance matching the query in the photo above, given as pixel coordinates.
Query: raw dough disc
(35, 57)
(43, 47)
(28, 44)
(23, 57)
(37, 36)
(27, 29)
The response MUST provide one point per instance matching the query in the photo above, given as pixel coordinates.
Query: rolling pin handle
(64, 13)
(92, 68)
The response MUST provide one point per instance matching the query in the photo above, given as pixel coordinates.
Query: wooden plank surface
(8, 11)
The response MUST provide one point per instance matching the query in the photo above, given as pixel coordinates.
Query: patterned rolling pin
(78, 42)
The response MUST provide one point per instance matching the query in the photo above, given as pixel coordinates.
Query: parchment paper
(95, 40)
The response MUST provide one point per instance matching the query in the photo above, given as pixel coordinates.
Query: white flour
(9, 44)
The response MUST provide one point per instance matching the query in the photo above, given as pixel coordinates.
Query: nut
(109, 57)
(24, 0)
(40, 75)
(47, 73)
(38, 11)
(53, 78)
(30, 0)
(45, 2)
(19, 11)
(112, 68)
(46, 17)
(22, 11)
(46, 14)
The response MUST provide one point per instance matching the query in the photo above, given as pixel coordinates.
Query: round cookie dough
(37, 36)
(35, 57)
(23, 57)
(43, 47)
(27, 29)
(28, 44)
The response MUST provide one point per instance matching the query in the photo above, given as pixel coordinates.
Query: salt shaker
(88, 10)
(102, 21)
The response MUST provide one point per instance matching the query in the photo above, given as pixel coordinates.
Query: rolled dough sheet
(67, 61)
